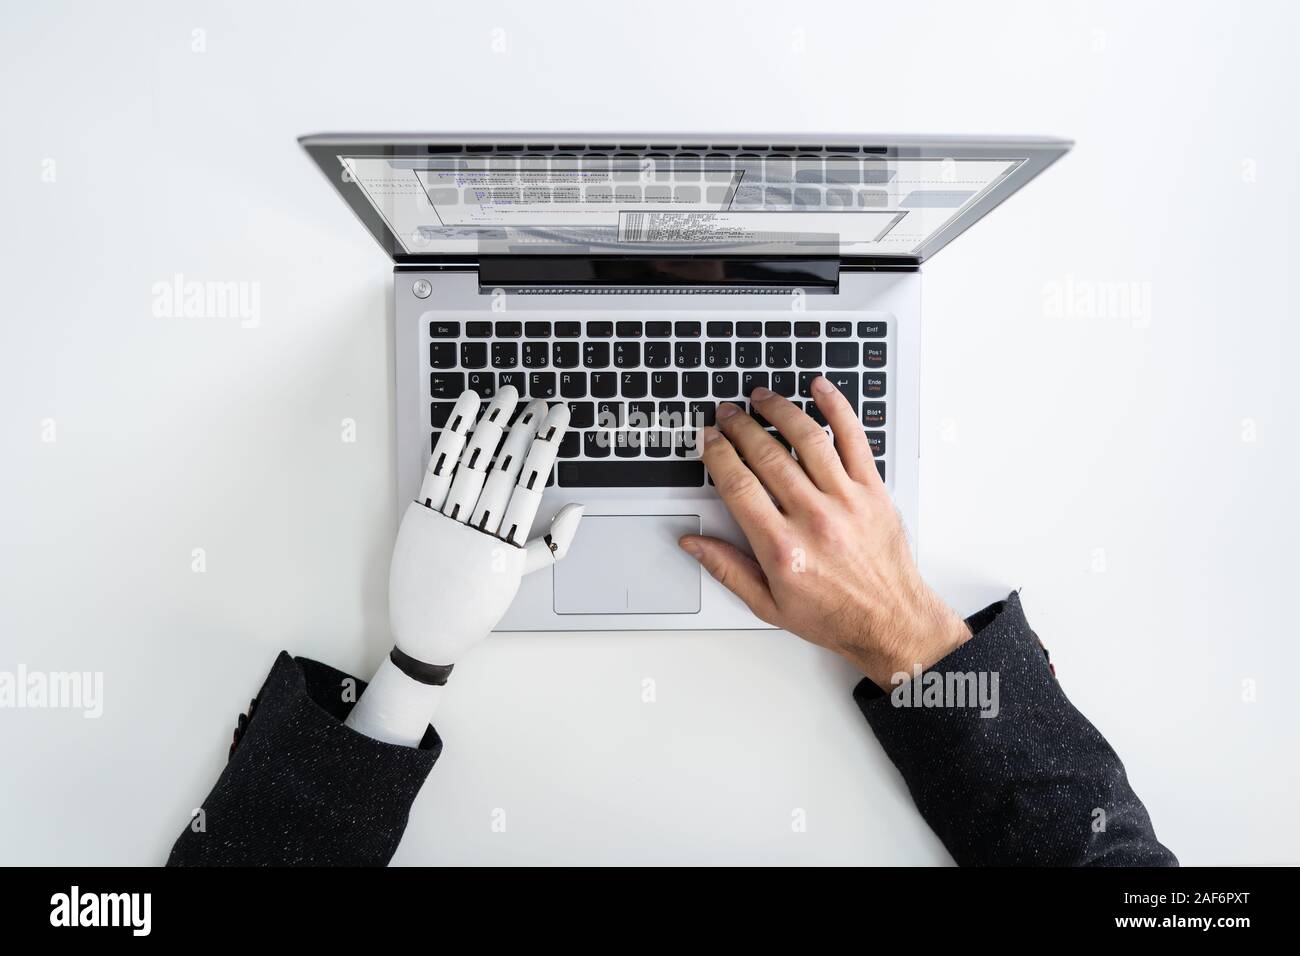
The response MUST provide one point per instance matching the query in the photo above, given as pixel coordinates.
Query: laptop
(643, 280)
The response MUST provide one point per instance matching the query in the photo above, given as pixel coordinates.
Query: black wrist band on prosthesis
(418, 670)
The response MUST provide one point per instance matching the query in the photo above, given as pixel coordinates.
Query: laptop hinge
(689, 275)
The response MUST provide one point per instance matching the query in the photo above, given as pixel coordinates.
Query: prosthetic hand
(461, 552)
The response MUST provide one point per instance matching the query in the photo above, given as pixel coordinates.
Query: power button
(421, 288)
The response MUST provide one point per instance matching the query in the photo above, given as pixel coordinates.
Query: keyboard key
(520, 383)
(600, 330)
(658, 330)
(573, 385)
(873, 413)
(582, 415)
(757, 417)
(439, 412)
(505, 355)
(672, 415)
(778, 354)
(640, 474)
(717, 354)
(442, 354)
(847, 383)
(658, 354)
(473, 354)
(446, 384)
(565, 354)
(807, 330)
(627, 444)
(687, 330)
(633, 384)
(805, 384)
(482, 382)
(541, 385)
(702, 413)
(628, 330)
(808, 354)
(509, 330)
(444, 330)
(749, 330)
(640, 414)
(568, 330)
(783, 383)
(604, 384)
(873, 384)
(777, 330)
(726, 384)
(880, 467)
(873, 354)
(688, 355)
(815, 413)
(537, 330)
(627, 354)
(839, 330)
(752, 380)
(877, 442)
(478, 330)
(570, 445)
(695, 384)
(433, 442)
(611, 414)
(872, 330)
(842, 354)
(749, 354)
(594, 445)
(595, 354)
(657, 444)
(663, 384)
(719, 330)
(535, 355)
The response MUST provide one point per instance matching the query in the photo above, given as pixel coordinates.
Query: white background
(1103, 464)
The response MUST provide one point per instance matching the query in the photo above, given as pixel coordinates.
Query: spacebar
(631, 474)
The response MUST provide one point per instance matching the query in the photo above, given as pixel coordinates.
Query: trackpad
(629, 564)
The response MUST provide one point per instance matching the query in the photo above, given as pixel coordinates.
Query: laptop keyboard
(639, 390)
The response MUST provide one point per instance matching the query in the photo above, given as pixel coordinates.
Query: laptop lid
(875, 201)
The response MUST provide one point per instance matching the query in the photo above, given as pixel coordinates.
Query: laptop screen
(668, 199)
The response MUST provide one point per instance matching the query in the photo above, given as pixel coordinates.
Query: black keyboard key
(568, 330)
(688, 355)
(717, 354)
(600, 330)
(611, 414)
(640, 474)
(573, 384)
(672, 415)
(703, 413)
(841, 355)
(695, 384)
(807, 330)
(757, 417)
(749, 330)
(478, 330)
(658, 354)
(778, 354)
(594, 445)
(749, 354)
(505, 355)
(627, 354)
(777, 330)
(808, 354)
(537, 330)
(657, 444)
(628, 330)
(446, 384)
(442, 354)
(805, 384)
(752, 380)
(872, 330)
(509, 330)
(565, 354)
(876, 440)
(839, 330)
(627, 444)
(433, 442)
(658, 330)
(535, 355)
(582, 415)
(873, 413)
(633, 384)
(520, 383)
(444, 330)
(640, 414)
(663, 384)
(482, 382)
(726, 384)
(719, 330)
(687, 330)
(873, 354)
(595, 354)
(541, 384)
(439, 412)
(873, 384)
(847, 383)
(570, 445)
(473, 354)
(604, 384)
(783, 383)
(815, 413)
(880, 467)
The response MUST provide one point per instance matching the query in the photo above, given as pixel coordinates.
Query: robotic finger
(527, 495)
(477, 456)
(501, 479)
(437, 478)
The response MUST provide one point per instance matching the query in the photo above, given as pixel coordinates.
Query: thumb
(734, 570)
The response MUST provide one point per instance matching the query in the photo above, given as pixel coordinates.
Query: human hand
(833, 565)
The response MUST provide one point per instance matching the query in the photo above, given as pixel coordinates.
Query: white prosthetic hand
(461, 552)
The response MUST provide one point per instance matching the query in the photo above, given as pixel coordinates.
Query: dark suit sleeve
(1034, 785)
(301, 788)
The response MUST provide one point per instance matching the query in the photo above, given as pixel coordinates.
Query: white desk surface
(1135, 476)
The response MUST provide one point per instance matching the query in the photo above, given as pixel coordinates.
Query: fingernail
(822, 385)
(691, 547)
(759, 394)
(708, 434)
(726, 410)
